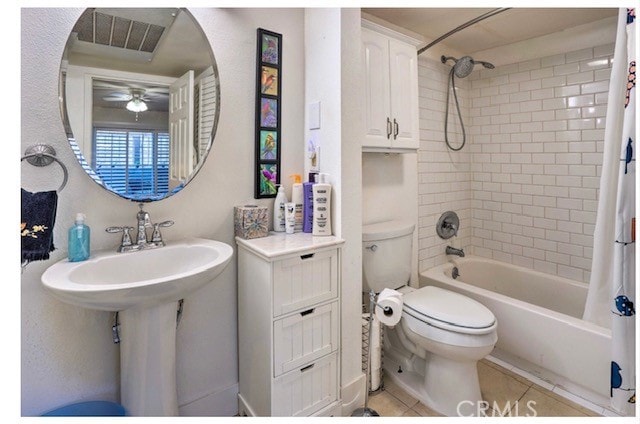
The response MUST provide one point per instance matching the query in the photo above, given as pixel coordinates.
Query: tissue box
(251, 221)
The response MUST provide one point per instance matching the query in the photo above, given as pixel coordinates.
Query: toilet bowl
(433, 352)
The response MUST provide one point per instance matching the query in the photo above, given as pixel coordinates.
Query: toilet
(433, 351)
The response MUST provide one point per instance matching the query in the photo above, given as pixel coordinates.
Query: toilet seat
(449, 311)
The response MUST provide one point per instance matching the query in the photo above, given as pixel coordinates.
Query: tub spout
(453, 251)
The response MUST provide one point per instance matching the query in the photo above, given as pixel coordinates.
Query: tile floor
(499, 386)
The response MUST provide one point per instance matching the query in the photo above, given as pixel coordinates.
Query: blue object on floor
(98, 408)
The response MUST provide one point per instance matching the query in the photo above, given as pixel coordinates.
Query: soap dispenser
(79, 240)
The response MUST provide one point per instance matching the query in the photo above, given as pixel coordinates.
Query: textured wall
(67, 354)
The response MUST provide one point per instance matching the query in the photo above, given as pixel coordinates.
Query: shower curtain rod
(463, 26)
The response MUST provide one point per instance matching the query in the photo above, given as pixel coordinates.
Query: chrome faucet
(142, 241)
(453, 251)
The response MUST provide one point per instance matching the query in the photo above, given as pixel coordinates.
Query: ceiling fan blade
(118, 98)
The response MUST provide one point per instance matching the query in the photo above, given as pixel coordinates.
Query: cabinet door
(377, 106)
(404, 95)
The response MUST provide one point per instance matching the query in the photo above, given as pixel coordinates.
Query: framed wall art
(268, 111)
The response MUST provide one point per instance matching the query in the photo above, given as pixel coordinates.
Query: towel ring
(43, 155)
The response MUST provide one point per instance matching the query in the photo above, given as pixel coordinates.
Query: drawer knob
(307, 312)
(308, 367)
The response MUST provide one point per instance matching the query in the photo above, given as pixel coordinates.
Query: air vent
(109, 30)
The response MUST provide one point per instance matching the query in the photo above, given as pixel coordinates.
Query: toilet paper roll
(389, 309)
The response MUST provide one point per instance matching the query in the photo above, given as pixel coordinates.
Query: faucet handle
(157, 237)
(126, 236)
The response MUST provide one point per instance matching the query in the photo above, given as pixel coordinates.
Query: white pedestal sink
(145, 286)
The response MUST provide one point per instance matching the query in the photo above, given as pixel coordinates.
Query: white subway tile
(595, 87)
(520, 96)
(570, 272)
(558, 258)
(580, 77)
(568, 113)
(544, 158)
(567, 90)
(535, 84)
(533, 253)
(601, 98)
(594, 64)
(580, 101)
(579, 55)
(556, 191)
(546, 267)
(555, 103)
(602, 74)
(568, 69)
(531, 126)
(520, 76)
(554, 125)
(546, 201)
(533, 189)
(569, 158)
(568, 136)
(604, 50)
(509, 88)
(544, 93)
(531, 106)
(533, 147)
(529, 65)
(541, 73)
(522, 117)
(593, 111)
(556, 81)
(553, 60)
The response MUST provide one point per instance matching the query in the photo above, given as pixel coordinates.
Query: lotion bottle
(322, 206)
(278, 210)
(79, 240)
(290, 217)
(298, 199)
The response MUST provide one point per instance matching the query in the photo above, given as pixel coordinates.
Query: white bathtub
(539, 321)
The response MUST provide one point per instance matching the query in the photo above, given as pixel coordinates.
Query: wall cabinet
(289, 325)
(390, 70)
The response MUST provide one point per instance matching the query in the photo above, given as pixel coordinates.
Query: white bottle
(322, 206)
(290, 217)
(278, 210)
(297, 198)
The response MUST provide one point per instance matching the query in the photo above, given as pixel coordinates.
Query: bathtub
(539, 316)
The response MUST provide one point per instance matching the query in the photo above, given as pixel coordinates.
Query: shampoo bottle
(307, 207)
(278, 210)
(297, 198)
(79, 240)
(322, 206)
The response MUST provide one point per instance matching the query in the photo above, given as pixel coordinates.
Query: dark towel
(36, 224)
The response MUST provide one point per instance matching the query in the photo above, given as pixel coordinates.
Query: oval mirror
(140, 99)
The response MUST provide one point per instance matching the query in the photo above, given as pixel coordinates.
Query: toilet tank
(386, 255)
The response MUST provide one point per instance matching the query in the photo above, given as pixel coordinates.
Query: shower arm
(463, 26)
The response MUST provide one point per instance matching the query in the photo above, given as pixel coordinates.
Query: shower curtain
(611, 297)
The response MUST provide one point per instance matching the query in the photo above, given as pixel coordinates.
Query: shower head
(463, 66)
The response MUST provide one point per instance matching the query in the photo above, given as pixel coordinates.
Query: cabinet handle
(388, 127)
(308, 367)
(307, 312)
(396, 128)
(307, 256)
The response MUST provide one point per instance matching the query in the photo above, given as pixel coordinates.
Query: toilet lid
(449, 308)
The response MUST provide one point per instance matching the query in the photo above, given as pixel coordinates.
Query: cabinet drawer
(306, 390)
(304, 280)
(304, 337)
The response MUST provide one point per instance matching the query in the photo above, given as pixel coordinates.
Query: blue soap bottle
(79, 240)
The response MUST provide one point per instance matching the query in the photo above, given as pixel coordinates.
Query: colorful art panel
(268, 179)
(268, 145)
(269, 49)
(269, 81)
(268, 113)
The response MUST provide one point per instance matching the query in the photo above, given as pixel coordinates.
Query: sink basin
(112, 281)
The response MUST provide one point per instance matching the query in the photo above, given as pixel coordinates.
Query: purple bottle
(307, 206)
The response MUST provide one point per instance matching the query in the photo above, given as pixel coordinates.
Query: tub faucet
(453, 251)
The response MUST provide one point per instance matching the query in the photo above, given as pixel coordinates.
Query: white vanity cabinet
(289, 325)
(390, 71)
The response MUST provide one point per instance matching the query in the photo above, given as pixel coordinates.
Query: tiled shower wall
(444, 177)
(530, 174)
